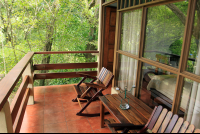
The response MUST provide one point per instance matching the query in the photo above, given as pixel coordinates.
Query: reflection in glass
(130, 37)
(127, 72)
(164, 33)
(158, 86)
(193, 64)
(190, 102)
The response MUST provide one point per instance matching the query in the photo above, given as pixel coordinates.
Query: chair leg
(92, 99)
(76, 100)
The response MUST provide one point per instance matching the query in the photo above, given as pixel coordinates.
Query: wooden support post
(102, 109)
(5, 119)
(29, 71)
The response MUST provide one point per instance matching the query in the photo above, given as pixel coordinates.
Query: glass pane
(127, 72)
(157, 86)
(190, 102)
(130, 37)
(164, 33)
(193, 64)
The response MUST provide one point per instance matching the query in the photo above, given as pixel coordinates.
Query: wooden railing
(11, 115)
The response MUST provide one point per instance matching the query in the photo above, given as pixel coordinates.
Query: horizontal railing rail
(65, 66)
(65, 52)
(11, 115)
(62, 75)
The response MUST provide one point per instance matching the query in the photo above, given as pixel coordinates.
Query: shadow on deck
(54, 112)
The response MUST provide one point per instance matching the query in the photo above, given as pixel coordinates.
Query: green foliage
(29, 25)
(176, 47)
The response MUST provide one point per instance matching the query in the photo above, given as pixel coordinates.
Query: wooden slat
(65, 66)
(62, 75)
(165, 122)
(137, 107)
(132, 111)
(197, 131)
(125, 113)
(65, 52)
(160, 121)
(77, 90)
(139, 102)
(178, 125)
(108, 78)
(113, 110)
(8, 83)
(171, 124)
(104, 75)
(18, 122)
(155, 117)
(15, 105)
(101, 73)
(184, 127)
(190, 129)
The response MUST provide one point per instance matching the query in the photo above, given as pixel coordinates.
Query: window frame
(181, 72)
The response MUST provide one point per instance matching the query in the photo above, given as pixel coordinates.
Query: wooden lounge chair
(92, 91)
(161, 121)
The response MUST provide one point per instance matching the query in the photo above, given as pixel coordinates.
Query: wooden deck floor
(54, 112)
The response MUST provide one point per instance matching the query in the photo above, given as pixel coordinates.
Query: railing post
(29, 71)
(6, 125)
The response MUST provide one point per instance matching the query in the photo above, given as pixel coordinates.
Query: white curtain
(193, 111)
(130, 39)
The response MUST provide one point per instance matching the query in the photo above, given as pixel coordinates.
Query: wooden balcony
(48, 108)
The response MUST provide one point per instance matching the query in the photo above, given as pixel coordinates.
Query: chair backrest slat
(184, 127)
(160, 121)
(101, 73)
(155, 117)
(108, 78)
(165, 122)
(105, 76)
(190, 129)
(178, 125)
(197, 131)
(171, 124)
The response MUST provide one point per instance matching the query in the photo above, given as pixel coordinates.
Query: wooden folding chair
(92, 91)
(161, 121)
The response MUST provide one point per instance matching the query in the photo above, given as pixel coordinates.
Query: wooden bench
(91, 91)
(135, 119)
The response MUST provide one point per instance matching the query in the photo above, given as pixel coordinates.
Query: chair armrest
(86, 75)
(95, 85)
(122, 126)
